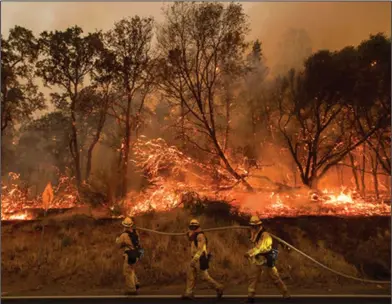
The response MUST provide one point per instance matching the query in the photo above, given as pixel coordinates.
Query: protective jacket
(200, 263)
(264, 249)
(198, 243)
(129, 240)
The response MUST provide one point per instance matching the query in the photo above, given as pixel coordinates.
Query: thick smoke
(288, 31)
(330, 25)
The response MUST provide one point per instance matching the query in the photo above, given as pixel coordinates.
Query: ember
(172, 175)
(15, 200)
(165, 166)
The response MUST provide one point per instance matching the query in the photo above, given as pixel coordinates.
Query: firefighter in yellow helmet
(263, 253)
(200, 262)
(129, 240)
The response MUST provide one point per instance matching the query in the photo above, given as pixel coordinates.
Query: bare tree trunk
(96, 138)
(183, 136)
(313, 183)
(375, 179)
(74, 143)
(82, 157)
(374, 161)
(227, 131)
(127, 138)
(363, 191)
(5, 115)
(354, 170)
(227, 164)
(388, 183)
(254, 129)
(341, 169)
(339, 175)
(294, 168)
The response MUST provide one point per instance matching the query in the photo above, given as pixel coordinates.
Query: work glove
(247, 255)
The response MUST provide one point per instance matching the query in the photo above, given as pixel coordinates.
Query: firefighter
(200, 262)
(129, 240)
(263, 253)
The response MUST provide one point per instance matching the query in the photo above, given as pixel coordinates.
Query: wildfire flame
(17, 202)
(173, 176)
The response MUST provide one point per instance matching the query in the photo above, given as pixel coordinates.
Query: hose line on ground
(279, 240)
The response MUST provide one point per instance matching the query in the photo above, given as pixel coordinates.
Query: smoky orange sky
(330, 25)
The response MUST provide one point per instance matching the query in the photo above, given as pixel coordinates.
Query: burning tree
(199, 44)
(128, 60)
(319, 110)
(374, 94)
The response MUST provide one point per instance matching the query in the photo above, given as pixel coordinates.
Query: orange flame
(173, 175)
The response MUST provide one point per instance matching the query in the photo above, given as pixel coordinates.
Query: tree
(49, 135)
(92, 107)
(129, 46)
(68, 57)
(317, 120)
(199, 44)
(373, 95)
(20, 96)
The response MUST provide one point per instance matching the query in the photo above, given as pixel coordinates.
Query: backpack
(204, 258)
(272, 255)
(134, 238)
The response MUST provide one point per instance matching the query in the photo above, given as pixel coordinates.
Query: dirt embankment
(79, 253)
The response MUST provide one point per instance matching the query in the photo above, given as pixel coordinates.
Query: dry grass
(82, 254)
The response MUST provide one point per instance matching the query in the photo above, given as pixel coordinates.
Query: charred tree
(363, 173)
(129, 44)
(317, 118)
(354, 169)
(199, 44)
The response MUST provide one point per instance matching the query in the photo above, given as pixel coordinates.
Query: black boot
(131, 293)
(188, 297)
(219, 293)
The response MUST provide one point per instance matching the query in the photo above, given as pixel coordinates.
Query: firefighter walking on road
(129, 241)
(264, 253)
(200, 262)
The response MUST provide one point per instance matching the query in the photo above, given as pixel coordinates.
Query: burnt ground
(77, 255)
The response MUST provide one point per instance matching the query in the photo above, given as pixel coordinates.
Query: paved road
(297, 299)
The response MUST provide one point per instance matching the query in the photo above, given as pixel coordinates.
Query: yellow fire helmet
(255, 221)
(194, 222)
(127, 222)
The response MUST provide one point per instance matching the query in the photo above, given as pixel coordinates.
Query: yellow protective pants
(192, 274)
(131, 279)
(254, 277)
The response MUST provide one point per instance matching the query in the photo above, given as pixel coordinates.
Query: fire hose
(279, 240)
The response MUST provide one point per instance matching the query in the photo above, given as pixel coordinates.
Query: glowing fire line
(173, 176)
